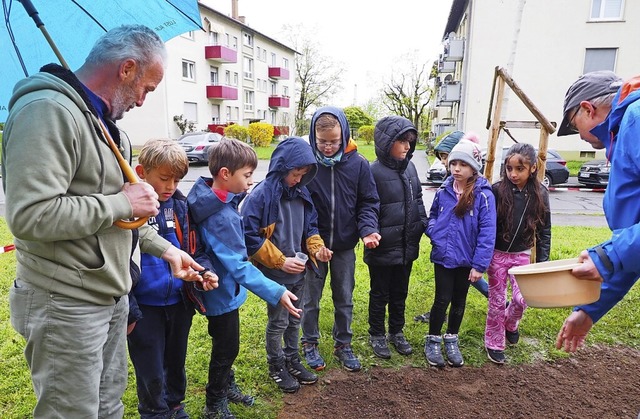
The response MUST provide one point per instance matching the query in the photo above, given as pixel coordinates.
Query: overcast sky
(365, 38)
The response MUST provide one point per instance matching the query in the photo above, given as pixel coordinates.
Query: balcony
(222, 92)
(453, 50)
(278, 73)
(221, 54)
(278, 101)
(280, 130)
(448, 94)
(445, 67)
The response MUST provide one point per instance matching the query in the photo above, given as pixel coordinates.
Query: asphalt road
(568, 206)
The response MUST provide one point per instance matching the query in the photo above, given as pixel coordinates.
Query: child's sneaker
(454, 357)
(283, 379)
(432, 351)
(235, 395)
(496, 356)
(218, 410)
(347, 358)
(380, 348)
(512, 337)
(299, 372)
(424, 317)
(313, 357)
(400, 343)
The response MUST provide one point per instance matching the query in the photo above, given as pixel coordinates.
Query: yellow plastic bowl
(551, 285)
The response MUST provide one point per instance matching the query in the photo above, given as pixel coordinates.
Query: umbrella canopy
(74, 26)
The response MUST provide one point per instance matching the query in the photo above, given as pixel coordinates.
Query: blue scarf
(328, 161)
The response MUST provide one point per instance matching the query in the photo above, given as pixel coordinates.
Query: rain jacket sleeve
(486, 231)
(241, 270)
(543, 236)
(368, 203)
(257, 235)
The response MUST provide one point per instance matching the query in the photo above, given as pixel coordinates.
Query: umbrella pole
(124, 165)
(33, 14)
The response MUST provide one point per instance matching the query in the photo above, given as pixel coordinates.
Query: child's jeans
(452, 286)
(342, 273)
(158, 349)
(499, 318)
(389, 288)
(225, 344)
(283, 327)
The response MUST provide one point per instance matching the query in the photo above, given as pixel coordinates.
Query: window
(285, 63)
(188, 70)
(226, 40)
(234, 45)
(607, 9)
(188, 35)
(264, 55)
(273, 59)
(588, 154)
(600, 59)
(213, 38)
(214, 75)
(191, 111)
(248, 68)
(274, 88)
(285, 91)
(228, 113)
(227, 78)
(248, 100)
(273, 117)
(215, 114)
(247, 40)
(235, 79)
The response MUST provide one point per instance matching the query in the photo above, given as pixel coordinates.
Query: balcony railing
(220, 53)
(278, 73)
(278, 101)
(222, 92)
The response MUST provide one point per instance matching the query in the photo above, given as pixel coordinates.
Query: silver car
(198, 144)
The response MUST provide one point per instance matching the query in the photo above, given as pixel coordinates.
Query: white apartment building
(227, 74)
(548, 46)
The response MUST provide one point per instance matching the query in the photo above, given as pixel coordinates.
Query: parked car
(594, 173)
(437, 172)
(556, 168)
(198, 144)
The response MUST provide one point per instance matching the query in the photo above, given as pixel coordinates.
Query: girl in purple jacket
(462, 229)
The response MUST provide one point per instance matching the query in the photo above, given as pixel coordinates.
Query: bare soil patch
(597, 382)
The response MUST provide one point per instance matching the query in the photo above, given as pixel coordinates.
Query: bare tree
(317, 76)
(409, 93)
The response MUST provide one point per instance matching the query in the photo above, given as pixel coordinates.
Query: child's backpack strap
(190, 237)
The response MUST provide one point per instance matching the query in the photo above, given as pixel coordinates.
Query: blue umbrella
(74, 26)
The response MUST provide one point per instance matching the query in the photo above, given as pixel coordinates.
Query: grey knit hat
(468, 152)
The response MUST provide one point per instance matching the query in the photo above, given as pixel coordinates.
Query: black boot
(218, 409)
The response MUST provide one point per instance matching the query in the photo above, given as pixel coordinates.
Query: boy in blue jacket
(213, 205)
(347, 202)
(160, 318)
(280, 222)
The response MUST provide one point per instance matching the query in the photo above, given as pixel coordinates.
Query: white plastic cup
(302, 257)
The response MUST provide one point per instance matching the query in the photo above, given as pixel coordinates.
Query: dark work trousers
(452, 286)
(389, 287)
(225, 344)
(158, 349)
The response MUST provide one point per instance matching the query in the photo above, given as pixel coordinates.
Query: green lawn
(538, 329)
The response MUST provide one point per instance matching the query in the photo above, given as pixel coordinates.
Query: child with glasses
(346, 199)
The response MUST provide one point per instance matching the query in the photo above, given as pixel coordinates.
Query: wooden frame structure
(500, 79)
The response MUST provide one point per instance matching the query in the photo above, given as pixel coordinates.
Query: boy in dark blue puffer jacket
(402, 221)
